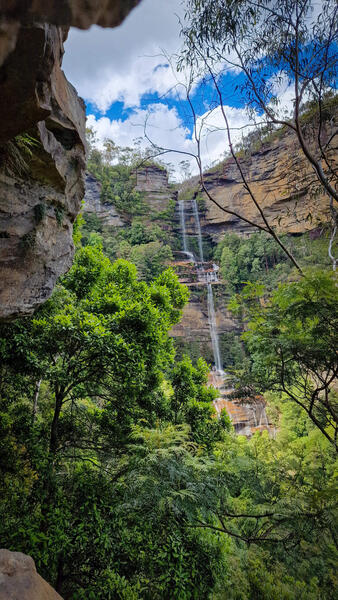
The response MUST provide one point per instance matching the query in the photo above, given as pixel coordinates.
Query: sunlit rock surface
(20, 581)
(283, 182)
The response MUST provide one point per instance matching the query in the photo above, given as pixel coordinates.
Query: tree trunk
(35, 400)
(55, 423)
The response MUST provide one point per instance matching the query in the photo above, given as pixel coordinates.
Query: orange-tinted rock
(283, 183)
(247, 415)
(20, 581)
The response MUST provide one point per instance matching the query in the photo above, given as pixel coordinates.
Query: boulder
(20, 581)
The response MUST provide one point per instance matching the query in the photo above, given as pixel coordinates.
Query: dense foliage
(142, 242)
(117, 477)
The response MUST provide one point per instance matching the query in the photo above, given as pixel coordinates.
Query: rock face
(194, 325)
(152, 181)
(93, 205)
(42, 187)
(283, 183)
(76, 13)
(20, 581)
(247, 415)
(42, 145)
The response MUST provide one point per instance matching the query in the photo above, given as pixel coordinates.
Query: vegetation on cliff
(146, 240)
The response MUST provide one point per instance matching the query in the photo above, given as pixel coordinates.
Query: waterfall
(213, 330)
(198, 229)
(182, 222)
(203, 276)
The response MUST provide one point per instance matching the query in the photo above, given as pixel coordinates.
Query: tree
(272, 43)
(102, 335)
(99, 348)
(292, 340)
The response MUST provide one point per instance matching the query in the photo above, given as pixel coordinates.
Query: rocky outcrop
(283, 183)
(20, 581)
(41, 176)
(93, 204)
(42, 145)
(194, 325)
(152, 182)
(76, 13)
(247, 415)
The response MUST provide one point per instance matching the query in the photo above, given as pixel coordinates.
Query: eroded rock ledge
(42, 144)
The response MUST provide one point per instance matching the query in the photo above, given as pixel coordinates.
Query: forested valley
(117, 474)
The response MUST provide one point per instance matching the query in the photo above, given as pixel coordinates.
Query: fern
(15, 155)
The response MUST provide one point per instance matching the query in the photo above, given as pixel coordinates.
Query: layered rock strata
(41, 175)
(93, 205)
(152, 182)
(283, 183)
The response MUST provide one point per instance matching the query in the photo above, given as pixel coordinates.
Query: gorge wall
(283, 183)
(287, 198)
(42, 145)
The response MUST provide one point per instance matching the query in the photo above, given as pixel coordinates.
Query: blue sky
(124, 76)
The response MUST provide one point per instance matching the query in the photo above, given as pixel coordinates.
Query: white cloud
(165, 128)
(123, 64)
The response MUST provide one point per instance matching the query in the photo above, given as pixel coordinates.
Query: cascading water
(245, 417)
(182, 222)
(207, 277)
(213, 330)
(183, 230)
(198, 229)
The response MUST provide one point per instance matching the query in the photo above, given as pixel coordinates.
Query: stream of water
(204, 276)
(198, 229)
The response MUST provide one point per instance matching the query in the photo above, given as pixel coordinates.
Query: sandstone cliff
(42, 145)
(152, 181)
(283, 183)
(157, 194)
(93, 204)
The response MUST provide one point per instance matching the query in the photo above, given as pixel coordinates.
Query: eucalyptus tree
(292, 338)
(278, 44)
